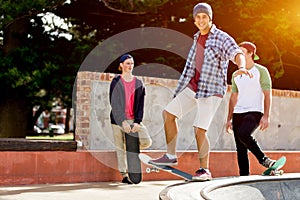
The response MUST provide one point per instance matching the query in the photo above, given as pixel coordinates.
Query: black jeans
(244, 125)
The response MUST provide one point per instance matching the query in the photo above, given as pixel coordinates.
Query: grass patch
(67, 136)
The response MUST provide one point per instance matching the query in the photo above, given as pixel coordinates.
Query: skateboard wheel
(272, 173)
(148, 170)
(276, 172)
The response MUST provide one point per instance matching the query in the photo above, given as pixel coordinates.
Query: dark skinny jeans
(244, 125)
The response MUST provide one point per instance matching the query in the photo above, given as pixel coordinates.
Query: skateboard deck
(132, 154)
(145, 159)
(275, 169)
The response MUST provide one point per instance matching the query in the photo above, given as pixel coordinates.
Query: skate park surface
(286, 186)
(254, 187)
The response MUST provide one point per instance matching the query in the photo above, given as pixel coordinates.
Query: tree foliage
(271, 25)
(43, 58)
(276, 36)
(40, 58)
(38, 64)
(133, 6)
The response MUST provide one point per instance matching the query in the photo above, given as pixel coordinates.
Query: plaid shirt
(219, 49)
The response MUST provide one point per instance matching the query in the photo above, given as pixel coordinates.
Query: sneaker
(202, 175)
(126, 180)
(164, 160)
(267, 162)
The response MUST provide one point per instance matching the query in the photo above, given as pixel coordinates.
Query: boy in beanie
(201, 87)
(126, 97)
(249, 108)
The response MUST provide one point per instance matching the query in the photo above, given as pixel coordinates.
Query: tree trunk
(13, 118)
(15, 112)
(67, 122)
(14, 33)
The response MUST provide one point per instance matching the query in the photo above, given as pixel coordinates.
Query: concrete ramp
(285, 187)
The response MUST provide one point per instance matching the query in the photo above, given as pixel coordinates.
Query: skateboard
(145, 159)
(275, 169)
(132, 154)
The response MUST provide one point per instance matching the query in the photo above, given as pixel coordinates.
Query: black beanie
(203, 8)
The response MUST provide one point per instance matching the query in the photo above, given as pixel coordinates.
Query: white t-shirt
(250, 90)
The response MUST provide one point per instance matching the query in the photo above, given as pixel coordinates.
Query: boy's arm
(265, 120)
(232, 103)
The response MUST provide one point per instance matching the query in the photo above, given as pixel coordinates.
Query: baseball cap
(124, 57)
(250, 47)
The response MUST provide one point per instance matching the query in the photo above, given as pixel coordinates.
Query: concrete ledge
(20, 144)
(286, 186)
(50, 167)
(261, 183)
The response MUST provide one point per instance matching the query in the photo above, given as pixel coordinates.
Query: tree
(36, 66)
(39, 63)
(133, 6)
(274, 33)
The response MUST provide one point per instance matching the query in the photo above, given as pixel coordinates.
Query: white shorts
(185, 102)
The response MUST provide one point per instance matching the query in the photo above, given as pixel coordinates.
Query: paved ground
(285, 187)
(86, 191)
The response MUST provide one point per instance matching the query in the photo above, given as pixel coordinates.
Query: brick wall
(83, 96)
(84, 89)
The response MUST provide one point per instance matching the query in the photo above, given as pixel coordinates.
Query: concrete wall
(52, 167)
(94, 129)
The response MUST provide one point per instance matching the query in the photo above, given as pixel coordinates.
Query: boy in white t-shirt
(249, 108)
